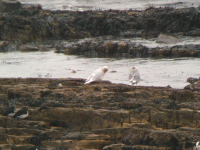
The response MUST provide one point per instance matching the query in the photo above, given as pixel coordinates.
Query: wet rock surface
(67, 114)
(194, 84)
(8, 5)
(127, 49)
(26, 24)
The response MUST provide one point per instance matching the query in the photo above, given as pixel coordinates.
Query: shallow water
(82, 5)
(160, 72)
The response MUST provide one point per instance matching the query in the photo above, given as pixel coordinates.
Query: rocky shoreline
(67, 114)
(33, 26)
(127, 49)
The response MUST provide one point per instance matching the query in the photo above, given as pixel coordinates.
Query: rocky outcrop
(9, 5)
(170, 139)
(192, 80)
(128, 49)
(194, 84)
(101, 115)
(31, 23)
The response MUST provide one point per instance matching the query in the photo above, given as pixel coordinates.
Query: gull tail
(87, 82)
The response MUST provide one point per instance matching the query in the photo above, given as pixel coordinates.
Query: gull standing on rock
(97, 75)
(134, 76)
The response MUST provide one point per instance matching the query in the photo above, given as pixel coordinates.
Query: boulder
(162, 38)
(191, 80)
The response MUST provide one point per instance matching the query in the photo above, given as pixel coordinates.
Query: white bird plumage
(97, 75)
(134, 76)
(197, 144)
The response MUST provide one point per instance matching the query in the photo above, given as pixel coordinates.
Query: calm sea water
(160, 72)
(82, 5)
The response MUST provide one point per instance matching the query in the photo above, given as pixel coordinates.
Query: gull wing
(97, 75)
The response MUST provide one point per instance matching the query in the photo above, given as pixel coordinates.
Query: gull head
(133, 68)
(104, 69)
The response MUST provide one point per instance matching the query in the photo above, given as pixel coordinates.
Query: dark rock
(32, 23)
(43, 107)
(54, 104)
(13, 94)
(9, 5)
(34, 103)
(134, 136)
(53, 85)
(110, 48)
(59, 49)
(150, 23)
(182, 95)
(107, 49)
(172, 105)
(152, 138)
(122, 47)
(3, 46)
(96, 116)
(185, 50)
(33, 148)
(35, 140)
(45, 93)
(30, 10)
(187, 87)
(196, 86)
(191, 80)
(164, 139)
(193, 33)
